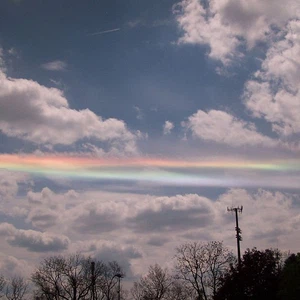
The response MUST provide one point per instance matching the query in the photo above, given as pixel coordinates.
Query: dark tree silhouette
(289, 287)
(2, 285)
(71, 278)
(257, 278)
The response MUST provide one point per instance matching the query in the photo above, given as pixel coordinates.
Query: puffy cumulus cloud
(10, 266)
(44, 197)
(108, 251)
(142, 218)
(75, 213)
(157, 240)
(149, 221)
(39, 242)
(32, 240)
(200, 27)
(7, 229)
(45, 208)
(167, 128)
(96, 222)
(147, 228)
(56, 65)
(274, 94)
(268, 217)
(9, 184)
(8, 187)
(98, 217)
(42, 115)
(42, 218)
(124, 258)
(221, 127)
(178, 213)
(124, 255)
(131, 213)
(224, 25)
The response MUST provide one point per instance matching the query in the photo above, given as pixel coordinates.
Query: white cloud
(267, 219)
(275, 94)
(146, 221)
(10, 266)
(46, 208)
(224, 25)
(9, 184)
(221, 127)
(189, 211)
(56, 65)
(33, 240)
(42, 115)
(167, 128)
(2, 63)
(139, 113)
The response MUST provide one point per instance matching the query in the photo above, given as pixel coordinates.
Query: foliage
(289, 287)
(256, 278)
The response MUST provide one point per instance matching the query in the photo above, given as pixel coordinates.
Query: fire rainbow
(205, 172)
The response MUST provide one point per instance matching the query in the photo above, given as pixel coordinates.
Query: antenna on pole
(238, 230)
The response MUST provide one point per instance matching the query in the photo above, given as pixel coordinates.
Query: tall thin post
(93, 279)
(119, 276)
(238, 230)
(119, 289)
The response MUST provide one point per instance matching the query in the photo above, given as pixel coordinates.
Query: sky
(128, 127)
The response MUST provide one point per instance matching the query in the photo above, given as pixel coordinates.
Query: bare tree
(48, 278)
(16, 288)
(161, 284)
(106, 280)
(180, 291)
(73, 278)
(201, 265)
(2, 285)
(137, 291)
(155, 285)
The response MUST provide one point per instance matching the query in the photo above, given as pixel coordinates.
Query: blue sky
(212, 80)
(139, 65)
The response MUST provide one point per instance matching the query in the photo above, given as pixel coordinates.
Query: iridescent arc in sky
(201, 172)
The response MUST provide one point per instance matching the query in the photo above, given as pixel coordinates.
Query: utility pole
(93, 279)
(238, 230)
(119, 276)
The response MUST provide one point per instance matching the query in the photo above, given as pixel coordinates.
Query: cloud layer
(141, 224)
(56, 65)
(274, 94)
(221, 127)
(34, 240)
(42, 115)
(226, 25)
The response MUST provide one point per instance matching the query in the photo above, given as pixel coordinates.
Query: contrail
(105, 31)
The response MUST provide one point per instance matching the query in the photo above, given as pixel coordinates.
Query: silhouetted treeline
(200, 271)
(208, 271)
